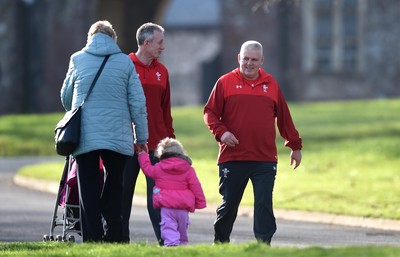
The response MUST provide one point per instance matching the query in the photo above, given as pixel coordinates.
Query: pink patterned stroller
(68, 199)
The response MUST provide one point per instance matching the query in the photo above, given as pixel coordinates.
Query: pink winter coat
(176, 183)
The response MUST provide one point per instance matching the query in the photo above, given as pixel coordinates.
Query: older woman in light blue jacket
(115, 104)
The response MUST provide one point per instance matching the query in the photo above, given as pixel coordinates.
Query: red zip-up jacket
(155, 82)
(250, 109)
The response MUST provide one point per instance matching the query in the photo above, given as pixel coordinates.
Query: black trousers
(131, 173)
(100, 207)
(234, 177)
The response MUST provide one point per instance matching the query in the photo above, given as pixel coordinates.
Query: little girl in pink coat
(177, 189)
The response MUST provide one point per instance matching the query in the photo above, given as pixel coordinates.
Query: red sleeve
(213, 111)
(166, 105)
(285, 124)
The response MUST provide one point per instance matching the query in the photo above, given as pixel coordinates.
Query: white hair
(251, 45)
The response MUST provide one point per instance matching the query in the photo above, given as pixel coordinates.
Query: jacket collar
(263, 77)
(136, 60)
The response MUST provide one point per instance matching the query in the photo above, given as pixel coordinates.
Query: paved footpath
(382, 224)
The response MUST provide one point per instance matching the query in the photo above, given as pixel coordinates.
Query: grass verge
(39, 249)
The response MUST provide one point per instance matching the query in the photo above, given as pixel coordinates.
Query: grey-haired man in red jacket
(241, 112)
(155, 81)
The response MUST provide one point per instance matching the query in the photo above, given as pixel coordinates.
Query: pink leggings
(174, 225)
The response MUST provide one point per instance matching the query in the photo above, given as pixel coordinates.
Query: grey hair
(146, 32)
(169, 145)
(251, 45)
(104, 27)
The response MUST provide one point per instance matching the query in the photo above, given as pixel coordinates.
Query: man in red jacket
(155, 81)
(241, 113)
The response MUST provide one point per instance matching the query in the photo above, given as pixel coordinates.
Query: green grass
(40, 249)
(350, 155)
(28, 135)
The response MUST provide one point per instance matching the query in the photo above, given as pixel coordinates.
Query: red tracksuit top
(155, 82)
(250, 109)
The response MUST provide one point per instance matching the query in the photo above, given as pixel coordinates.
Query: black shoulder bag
(68, 129)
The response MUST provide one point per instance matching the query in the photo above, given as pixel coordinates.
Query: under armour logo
(265, 88)
(238, 86)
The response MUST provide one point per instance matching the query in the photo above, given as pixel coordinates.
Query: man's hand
(295, 158)
(229, 139)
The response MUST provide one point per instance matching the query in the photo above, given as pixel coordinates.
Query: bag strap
(95, 78)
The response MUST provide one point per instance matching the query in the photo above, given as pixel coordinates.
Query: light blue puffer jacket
(116, 101)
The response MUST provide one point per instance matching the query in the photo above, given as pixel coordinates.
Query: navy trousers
(100, 208)
(234, 177)
(131, 173)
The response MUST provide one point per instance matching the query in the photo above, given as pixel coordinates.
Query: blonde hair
(104, 27)
(169, 145)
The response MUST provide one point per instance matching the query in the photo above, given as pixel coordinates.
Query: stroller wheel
(46, 238)
(71, 239)
(59, 238)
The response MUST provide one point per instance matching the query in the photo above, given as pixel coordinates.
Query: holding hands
(142, 148)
